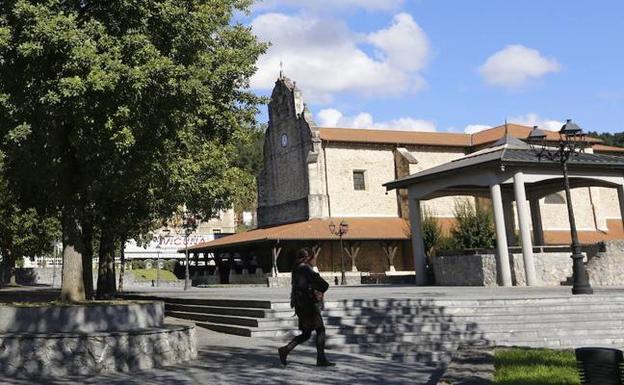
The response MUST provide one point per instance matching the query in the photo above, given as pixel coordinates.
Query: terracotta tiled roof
(446, 139)
(395, 137)
(515, 130)
(316, 229)
(605, 148)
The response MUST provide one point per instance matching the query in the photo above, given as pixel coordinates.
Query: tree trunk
(12, 277)
(106, 268)
(122, 270)
(72, 285)
(87, 259)
(7, 266)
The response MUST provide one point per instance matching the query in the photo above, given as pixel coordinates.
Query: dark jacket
(304, 282)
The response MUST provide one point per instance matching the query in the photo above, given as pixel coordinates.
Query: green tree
(474, 228)
(24, 232)
(115, 113)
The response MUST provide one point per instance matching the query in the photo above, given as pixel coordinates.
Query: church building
(316, 178)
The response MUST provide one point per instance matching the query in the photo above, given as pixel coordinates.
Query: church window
(359, 182)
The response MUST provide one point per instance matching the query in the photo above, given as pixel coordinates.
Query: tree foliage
(432, 232)
(610, 139)
(116, 113)
(474, 228)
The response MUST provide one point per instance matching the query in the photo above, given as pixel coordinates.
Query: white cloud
(472, 128)
(325, 57)
(515, 65)
(404, 43)
(324, 5)
(331, 117)
(532, 119)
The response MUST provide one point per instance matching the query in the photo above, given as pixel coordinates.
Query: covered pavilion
(274, 247)
(505, 172)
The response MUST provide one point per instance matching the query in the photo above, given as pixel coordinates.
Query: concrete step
(227, 329)
(231, 303)
(216, 319)
(486, 322)
(217, 310)
(525, 309)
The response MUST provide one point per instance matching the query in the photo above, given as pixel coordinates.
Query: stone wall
(465, 270)
(333, 278)
(81, 319)
(552, 269)
(377, 162)
(52, 276)
(607, 268)
(66, 354)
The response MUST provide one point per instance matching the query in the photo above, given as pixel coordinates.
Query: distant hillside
(616, 139)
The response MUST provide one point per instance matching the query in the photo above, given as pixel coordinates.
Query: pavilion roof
(360, 229)
(507, 151)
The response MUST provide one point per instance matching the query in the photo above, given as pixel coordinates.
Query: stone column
(501, 235)
(418, 245)
(620, 192)
(536, 220)
(510, 219)
(525, 233)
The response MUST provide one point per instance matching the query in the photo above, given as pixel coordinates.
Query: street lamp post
(571, 143)
(190, 224)
(343, 228)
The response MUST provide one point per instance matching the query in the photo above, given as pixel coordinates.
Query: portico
(506, 172)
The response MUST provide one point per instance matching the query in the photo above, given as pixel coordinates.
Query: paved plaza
(228, 359)
(336, 293)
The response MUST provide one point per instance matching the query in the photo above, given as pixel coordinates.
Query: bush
(474, 228)
(170, 264)
(137, 264)
(432, 233)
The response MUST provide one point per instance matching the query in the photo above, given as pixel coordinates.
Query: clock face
(284, 140)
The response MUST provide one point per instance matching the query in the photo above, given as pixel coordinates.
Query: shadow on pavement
(257, 366)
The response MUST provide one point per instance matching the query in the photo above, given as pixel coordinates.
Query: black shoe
(324, 363)
(283, 352)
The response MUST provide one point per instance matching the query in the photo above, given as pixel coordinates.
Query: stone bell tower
(291, 187)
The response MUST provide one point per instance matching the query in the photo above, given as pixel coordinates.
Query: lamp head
(344, 227)
(570, 129)
(536, 135)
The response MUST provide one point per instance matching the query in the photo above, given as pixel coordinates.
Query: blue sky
(448, 65)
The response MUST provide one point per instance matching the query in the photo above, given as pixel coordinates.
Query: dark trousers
(305, 335)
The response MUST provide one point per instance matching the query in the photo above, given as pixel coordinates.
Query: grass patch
(149, 274)
(524, 366)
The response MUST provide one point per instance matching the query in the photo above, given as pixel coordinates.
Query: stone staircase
(423, 330)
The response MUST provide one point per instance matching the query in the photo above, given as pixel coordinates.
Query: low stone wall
(61, 340)
(245, 278)
(80, 318)
(131, 282)
(607, 267)
(465, 270)
(552, 269)
(333, 278)
(63, 354)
